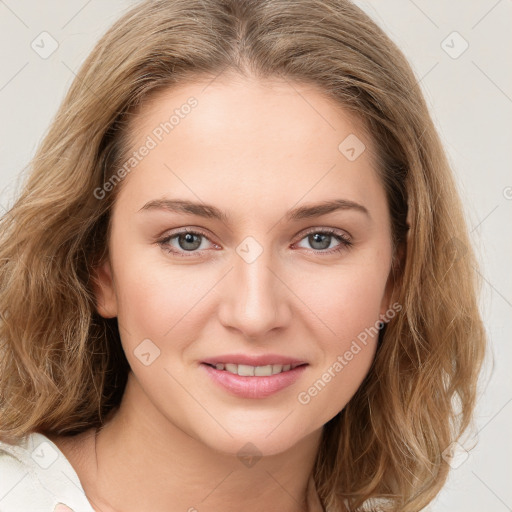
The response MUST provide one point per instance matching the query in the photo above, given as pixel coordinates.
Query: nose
(255, 298)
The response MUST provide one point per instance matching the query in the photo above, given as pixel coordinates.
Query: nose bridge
(254, 299)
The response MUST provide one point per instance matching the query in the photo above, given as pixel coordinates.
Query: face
(217, 257)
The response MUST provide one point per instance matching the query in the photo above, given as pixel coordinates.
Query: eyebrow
(212, 212)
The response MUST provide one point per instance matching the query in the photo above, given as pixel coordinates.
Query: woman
(176, 332)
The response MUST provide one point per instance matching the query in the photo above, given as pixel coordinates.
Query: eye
(321, 239)
(190, 241)
(187, 240)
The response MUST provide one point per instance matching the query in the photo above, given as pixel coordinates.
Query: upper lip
(262, 360)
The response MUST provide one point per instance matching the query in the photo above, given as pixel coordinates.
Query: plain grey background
(461, 53)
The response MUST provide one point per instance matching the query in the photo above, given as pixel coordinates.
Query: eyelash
(345, 242)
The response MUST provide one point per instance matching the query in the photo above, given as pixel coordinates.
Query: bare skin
(255, 150)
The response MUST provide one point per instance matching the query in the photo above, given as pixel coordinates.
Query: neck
(145, 462)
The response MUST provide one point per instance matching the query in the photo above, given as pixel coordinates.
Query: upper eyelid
(332, 231)
(196, 231)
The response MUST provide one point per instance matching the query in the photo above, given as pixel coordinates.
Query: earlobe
(104, 290)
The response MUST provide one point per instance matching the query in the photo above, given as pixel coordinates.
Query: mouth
(267, 375)
(245, 370)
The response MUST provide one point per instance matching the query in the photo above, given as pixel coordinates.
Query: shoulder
(19, 486)
(35, 475)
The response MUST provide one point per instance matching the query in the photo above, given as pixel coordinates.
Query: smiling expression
(247, 239)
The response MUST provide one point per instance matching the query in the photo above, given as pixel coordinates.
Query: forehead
(261, 141)
(279, 109)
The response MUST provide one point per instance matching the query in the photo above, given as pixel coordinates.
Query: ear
(104, 290)
(394, 280)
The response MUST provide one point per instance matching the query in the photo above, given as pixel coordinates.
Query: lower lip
(254, 387)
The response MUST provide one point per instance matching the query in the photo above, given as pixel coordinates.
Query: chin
(256, 442)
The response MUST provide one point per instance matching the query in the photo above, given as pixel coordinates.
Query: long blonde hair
(63, 369)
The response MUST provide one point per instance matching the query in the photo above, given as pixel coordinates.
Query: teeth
(246, 370)
(263, 371)
(277, 368)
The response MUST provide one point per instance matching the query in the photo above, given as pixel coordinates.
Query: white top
(35, 476)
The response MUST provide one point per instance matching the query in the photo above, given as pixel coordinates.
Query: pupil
(317, 238)
(188, 239)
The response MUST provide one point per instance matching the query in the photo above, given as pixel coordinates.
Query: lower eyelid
(344, 242)
(164, 243)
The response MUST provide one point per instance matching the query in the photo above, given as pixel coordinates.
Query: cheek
(345, 300)
(346, 360)
(348, 304)
(330, 389)
(155, 301)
